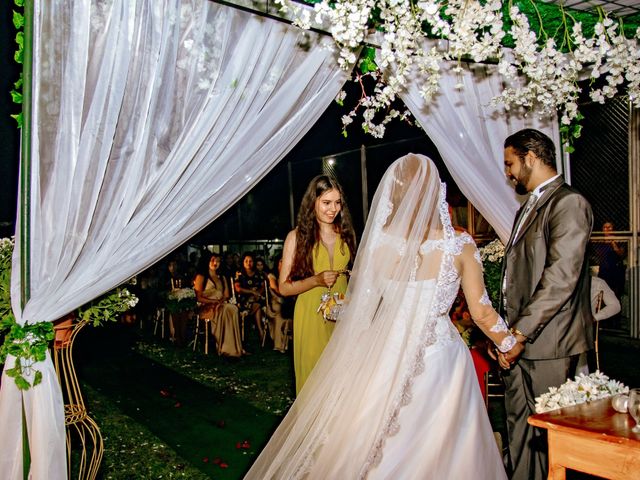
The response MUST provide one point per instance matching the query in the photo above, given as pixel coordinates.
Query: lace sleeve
(482, 313)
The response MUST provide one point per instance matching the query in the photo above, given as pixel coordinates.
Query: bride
(394, 394)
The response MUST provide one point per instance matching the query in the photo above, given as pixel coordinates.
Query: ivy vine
(16, 92)
(29, 344)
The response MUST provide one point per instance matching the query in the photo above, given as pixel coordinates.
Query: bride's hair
(308, 230)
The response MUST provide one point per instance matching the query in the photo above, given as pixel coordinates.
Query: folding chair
(207, 323)
(266, 325)
(287, 330)
(596, 310)
(493, 386)
(159, 321)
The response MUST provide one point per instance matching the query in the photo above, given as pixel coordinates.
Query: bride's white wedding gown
(439, 430)
(394, 394)
(444, 431)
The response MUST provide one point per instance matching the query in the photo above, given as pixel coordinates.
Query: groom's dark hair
(531, 140)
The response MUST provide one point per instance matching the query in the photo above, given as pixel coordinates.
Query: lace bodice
(434, 300)
(449, 280)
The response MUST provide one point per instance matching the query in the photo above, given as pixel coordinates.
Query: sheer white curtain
(150, 119)
(470, 133)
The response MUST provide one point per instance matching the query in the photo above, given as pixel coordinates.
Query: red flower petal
(205, 459)
(164, 393)
(178, 405)
(224, 465)
(217, 461)
(238, 445)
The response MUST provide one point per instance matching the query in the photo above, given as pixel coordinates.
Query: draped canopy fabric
(469, 133)
(150, 119)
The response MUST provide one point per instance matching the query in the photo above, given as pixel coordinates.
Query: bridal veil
(348, 408)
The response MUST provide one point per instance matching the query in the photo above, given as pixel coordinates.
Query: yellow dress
(311, 332)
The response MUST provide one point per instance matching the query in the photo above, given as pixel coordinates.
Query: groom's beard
(523, 179)
(521, 189)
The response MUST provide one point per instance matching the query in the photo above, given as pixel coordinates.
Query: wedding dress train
(394, 395)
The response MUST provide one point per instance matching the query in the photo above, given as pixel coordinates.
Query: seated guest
(175, 279)
(192, 266)
(261, 267)
(228, 268)
(250, 289)
(212, 291)
(279, 312)
(604, 304)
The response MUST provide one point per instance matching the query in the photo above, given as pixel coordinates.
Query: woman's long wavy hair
(308, 229)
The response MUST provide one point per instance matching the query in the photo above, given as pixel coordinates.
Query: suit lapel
(513, 228)
(544, 198)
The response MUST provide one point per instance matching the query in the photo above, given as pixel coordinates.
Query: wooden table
(591, 438)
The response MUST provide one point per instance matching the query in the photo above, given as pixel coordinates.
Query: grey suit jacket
(547, 275)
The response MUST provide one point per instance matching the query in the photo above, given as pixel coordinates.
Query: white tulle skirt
(444, 431)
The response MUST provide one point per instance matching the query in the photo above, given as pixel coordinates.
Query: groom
(545, 292)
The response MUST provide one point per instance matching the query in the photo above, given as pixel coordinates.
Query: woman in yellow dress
(314, 258)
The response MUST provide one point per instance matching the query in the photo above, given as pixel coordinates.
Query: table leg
(557, 472)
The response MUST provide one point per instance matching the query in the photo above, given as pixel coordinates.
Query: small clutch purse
(331, 305)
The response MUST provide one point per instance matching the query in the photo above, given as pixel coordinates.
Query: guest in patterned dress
(250, 288)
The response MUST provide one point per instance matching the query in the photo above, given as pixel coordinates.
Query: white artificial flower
(537, 74)
(584, 388)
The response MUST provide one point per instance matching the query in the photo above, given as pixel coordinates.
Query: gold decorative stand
(75, 413)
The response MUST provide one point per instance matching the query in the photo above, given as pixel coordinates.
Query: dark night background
(9, 133)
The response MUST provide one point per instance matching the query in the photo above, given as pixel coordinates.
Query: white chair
(159, 321)
(287, 330)
(207, 327)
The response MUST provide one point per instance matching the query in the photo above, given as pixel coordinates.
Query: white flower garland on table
(473, 30)
(585, 388)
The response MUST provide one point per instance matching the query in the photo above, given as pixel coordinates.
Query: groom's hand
(502, 361)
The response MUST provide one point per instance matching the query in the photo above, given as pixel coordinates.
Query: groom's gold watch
(515, 331)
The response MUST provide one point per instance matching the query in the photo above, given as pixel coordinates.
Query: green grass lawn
(194, 411)
(131, 450)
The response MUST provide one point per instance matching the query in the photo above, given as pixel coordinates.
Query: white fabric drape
(150, 119)
(469, 134)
